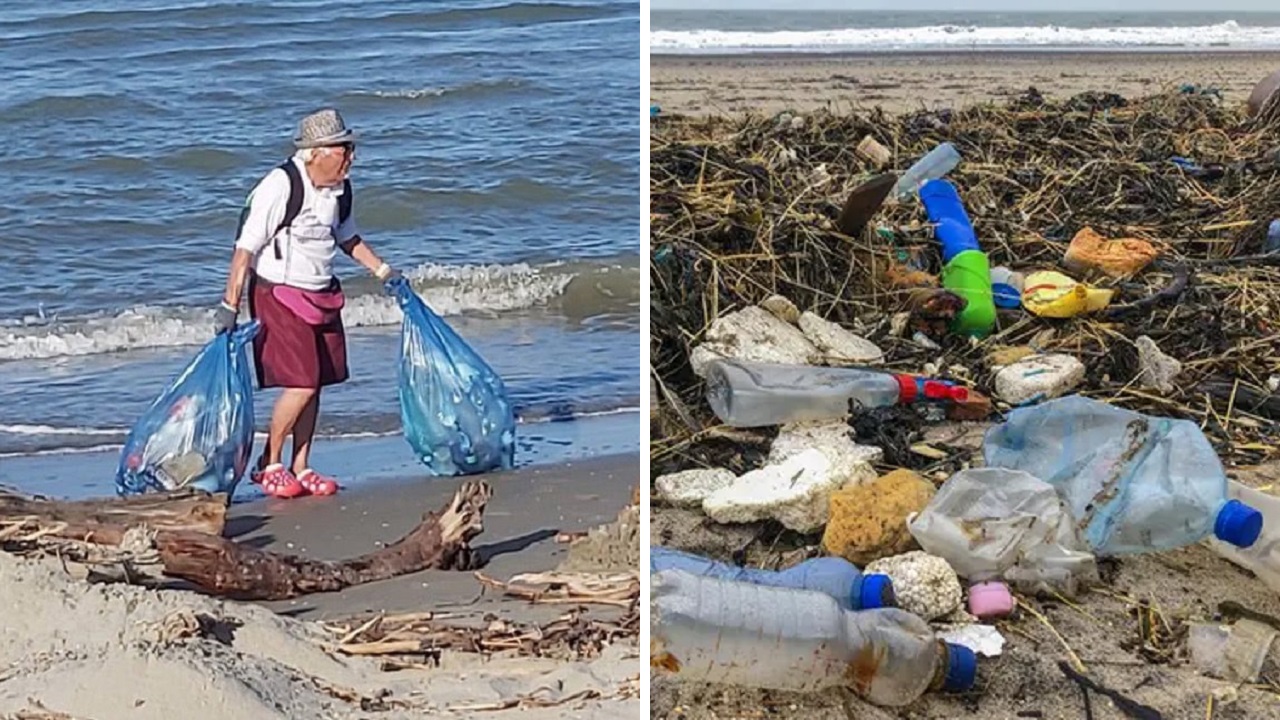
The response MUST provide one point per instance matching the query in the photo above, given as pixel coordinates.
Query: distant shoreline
(734, 84)
(1041, 53)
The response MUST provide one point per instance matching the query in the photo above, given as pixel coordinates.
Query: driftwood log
(184, 531)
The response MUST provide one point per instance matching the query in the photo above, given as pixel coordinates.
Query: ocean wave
(1228, 34)
(448, 289)
(40, 440)
(468, 91)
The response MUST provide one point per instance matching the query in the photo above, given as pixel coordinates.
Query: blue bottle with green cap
(1134, 483)
(834, 576)
(966, 270)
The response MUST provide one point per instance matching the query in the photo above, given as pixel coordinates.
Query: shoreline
(899, 81)
(357, 461)
(986, 53)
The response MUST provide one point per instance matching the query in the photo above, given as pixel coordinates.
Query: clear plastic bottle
(935, 164)
(1134, 483)
(759, 636)
(834, 576)
(1273, 236)
(752, 394)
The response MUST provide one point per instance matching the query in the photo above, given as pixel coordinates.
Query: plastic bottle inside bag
(1135, 483)
(1002, 524)
(834, 576)
(752, 394)
(800, 640)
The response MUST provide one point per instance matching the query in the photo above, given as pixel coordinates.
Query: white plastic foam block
(838, 345)
(753, 333)
(689, 488)
(851, 463)
(1039, 377)
(794, 492)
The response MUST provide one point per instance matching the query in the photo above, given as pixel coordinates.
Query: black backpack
(294, 205)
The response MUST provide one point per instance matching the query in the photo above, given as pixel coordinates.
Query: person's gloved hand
(390, 277)
(224, 318)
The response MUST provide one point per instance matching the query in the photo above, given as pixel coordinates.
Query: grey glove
(224, 318)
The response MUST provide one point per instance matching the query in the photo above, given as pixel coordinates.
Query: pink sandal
(317, 484)
(276, 481)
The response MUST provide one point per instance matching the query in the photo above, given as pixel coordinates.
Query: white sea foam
(1227, 34)
(448, 289)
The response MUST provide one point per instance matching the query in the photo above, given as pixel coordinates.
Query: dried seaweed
(743, 208)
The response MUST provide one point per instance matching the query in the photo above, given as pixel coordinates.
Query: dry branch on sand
(746, 208)
(180, 545)
(620, 589)
(423, 636)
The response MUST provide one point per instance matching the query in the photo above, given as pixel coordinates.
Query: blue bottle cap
(1005, 295)
(962, 668)
(876, 592)
(1238, 524)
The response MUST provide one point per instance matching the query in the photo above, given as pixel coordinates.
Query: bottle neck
(940, 666)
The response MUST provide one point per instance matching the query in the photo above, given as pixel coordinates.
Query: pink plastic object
(990, 600)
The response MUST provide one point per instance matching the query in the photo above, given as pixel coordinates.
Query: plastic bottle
(1134, 483)
(800, 640)
(1006, 287)
(1273, 236)
(752, 394)
(834, 576)
(966, 270)
(935, 164)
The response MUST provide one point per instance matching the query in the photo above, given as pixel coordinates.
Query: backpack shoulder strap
(294, 204)
(344, 202)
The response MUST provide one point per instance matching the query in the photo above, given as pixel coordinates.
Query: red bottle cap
(936, 390)
(906, 389)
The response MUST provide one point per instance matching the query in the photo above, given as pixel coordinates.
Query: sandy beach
(770, 83)
(83, 649)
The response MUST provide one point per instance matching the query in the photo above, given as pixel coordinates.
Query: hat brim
(345, 136)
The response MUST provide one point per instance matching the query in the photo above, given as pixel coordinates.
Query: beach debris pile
(1159, 251)
(416, 640)
(1088, 279)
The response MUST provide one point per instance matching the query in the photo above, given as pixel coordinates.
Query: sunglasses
(348, 149)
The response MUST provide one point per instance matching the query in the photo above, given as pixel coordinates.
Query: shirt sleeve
(347, 231)
(266, 209)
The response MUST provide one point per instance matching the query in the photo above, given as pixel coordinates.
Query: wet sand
(529, 507)
(769, 83)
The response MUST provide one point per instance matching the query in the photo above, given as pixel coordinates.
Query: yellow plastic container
(1054, 295)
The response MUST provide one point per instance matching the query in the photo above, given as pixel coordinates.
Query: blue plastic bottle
(946, 211)
(834, 576)
(1134, 483)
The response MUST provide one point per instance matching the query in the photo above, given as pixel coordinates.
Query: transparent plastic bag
(454, 408)
(994, 523)
(199, 432)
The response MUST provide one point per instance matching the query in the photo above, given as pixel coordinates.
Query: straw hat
(321, 128)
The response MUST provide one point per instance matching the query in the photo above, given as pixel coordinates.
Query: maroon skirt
(287, 351)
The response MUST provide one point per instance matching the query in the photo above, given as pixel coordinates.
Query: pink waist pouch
(314, 307)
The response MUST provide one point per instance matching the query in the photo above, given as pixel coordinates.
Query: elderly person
(293, 223)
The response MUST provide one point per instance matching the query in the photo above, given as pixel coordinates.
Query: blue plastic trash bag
(199, 432)
(453, 407)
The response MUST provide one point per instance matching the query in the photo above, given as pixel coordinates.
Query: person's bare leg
(304, 430)
(289, 408)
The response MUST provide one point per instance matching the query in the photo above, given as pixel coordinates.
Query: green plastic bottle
(969, 276)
